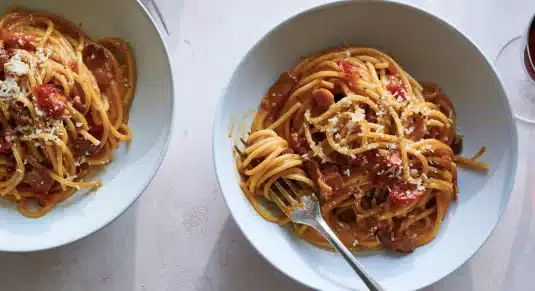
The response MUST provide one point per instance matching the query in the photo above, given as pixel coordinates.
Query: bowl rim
(418, 9)
(152, 171)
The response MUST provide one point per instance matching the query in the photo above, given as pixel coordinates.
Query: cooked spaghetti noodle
(378, 147)
(64, 102)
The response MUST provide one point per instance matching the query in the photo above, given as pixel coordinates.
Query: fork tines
(285, 197)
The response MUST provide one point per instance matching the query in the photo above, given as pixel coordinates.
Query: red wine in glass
(529, 51)
(516, 66)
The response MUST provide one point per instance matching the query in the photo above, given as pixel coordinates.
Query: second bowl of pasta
(393, 137)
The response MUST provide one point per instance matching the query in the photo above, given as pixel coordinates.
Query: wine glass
(516, 64)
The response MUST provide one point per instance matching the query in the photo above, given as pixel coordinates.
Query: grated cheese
(333, 120)
(16, 66)
(428, 148)
(42, 55)
(419, 185)
(426, 111)
(348, 172)
(38, 111)
(345, 149)
(82, 160)
(345, 102)
(381, 113)
(10, 89)
(307, 115)
(356, 117)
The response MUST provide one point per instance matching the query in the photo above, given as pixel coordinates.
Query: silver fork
(308, 212)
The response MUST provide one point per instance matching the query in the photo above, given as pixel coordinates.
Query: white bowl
(429, 49)
(150, 120)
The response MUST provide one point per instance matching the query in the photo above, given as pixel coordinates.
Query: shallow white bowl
(150, 120)
(429, 49)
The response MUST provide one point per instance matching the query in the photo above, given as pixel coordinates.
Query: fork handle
(326, 231)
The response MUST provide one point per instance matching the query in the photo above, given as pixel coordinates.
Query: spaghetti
(379, 148)
(64, 102)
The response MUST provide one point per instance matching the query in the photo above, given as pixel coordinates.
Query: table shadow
(461, 279)
(235, 265)
(103, 261)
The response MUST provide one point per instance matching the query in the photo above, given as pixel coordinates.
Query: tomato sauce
(21, 40)
(50, 100)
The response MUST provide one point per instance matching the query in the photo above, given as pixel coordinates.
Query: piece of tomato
(403, 194)
(50, 100)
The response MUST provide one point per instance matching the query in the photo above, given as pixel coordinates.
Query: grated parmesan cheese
(381, 113)
(42, 55)
(307, 115)
(82, 160)
(428, 148)
(333, 120)
(38, 111)
(348, 172)
(419, 185)
(345, 102)
(10, 89)
(345, 149)
(426, 111)
(16, 66)
(356, 117)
